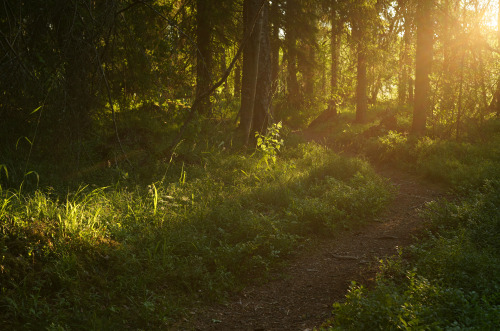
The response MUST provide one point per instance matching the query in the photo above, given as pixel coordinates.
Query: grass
(137, 256)
(449, 280)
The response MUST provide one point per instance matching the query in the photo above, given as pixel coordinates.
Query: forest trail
(320, 276)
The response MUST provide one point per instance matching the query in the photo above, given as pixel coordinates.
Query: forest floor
(321, 275)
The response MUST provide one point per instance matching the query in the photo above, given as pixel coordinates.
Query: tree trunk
(423, 65)
(263, 91)
(250, 64)
(335, 38)
(308, 72)
(377, 85)
(275, 45)
(404, 85)
(448, 62)
(291, 45)
(361, 82)
(203, 54)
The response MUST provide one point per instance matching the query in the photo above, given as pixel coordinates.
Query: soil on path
(322, 275)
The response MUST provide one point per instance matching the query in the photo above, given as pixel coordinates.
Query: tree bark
(404, 85)
(291, 45)
(335, 39)
(275, 45)
(203, 54)
(448, 103)
(361, 82)
(251, 15)
(262, 101)
(423, 65)
(308, 70)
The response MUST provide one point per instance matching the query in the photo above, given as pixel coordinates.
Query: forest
(249, 164)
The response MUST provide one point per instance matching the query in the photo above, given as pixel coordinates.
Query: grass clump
(137, 256)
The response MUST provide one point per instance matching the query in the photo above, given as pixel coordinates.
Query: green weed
(138, 256)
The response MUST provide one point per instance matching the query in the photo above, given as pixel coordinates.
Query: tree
(404, 88)
(423, 65)
(204, 53)
(291, 50)
(252, 24)
(359, 30)
(335, 40)
(275, 20)
(261, 112)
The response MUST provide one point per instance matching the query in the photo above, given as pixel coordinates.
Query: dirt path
(322, 275)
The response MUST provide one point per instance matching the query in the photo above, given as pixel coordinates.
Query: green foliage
(269, 145)
(139, 256)
(449, 281)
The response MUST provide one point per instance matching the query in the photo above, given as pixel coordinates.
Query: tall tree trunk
(405, 59)
(291, 45)
(203, 54)
(308, 70)
(275, 45)
(335, 38)
(262, 102)
(423, 65)
(251, 15)
(361, 81)
(448, 62)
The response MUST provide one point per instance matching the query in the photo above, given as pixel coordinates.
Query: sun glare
(490, 17)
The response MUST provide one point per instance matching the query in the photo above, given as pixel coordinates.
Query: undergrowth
(449, 280)
(137, 256)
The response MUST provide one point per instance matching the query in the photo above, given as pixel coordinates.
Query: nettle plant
(270, 143)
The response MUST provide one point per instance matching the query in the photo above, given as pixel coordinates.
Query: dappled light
(249, 164)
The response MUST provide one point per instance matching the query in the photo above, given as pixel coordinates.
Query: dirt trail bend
(322, 275)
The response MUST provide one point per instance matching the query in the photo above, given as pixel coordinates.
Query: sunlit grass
(137, 256)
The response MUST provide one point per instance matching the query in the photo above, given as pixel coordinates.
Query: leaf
(29, 141)
(34, 111)
(4, 167)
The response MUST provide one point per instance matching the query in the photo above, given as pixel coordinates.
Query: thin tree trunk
(423, 65)
(250, 65)
(263, 92)
(291, 43)
(448, 62)
(204, 54)
(361, 84)
(405, 59)
(308, 72)
(460, 95)
(335, 53)
(275, 45)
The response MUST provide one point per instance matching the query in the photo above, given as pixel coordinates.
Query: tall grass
(138, 256)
